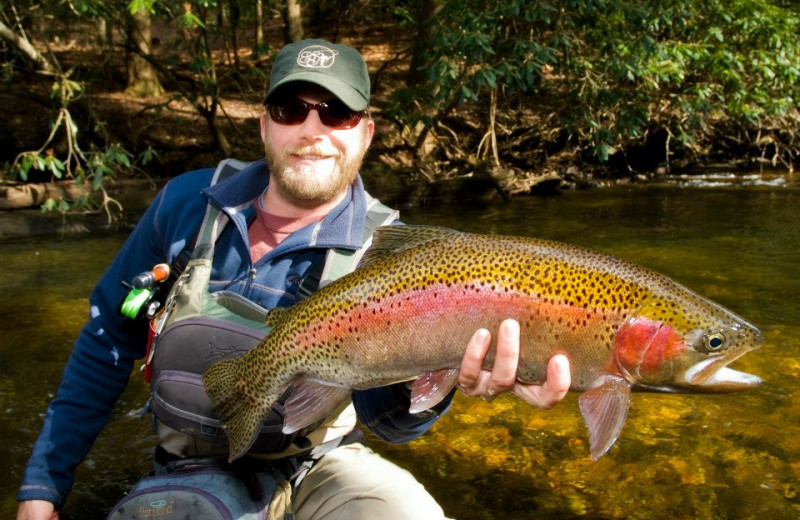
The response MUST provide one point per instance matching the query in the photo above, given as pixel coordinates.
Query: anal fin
(604, 409)
(430, 388)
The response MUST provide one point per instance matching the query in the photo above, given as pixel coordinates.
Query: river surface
(734, 456)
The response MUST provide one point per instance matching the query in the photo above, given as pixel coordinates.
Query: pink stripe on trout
(408, 312)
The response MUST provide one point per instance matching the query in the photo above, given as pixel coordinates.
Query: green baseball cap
(337, 68)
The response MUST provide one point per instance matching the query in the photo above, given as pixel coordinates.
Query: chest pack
(197, 328)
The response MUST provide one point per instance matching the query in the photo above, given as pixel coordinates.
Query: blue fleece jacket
(108, 345)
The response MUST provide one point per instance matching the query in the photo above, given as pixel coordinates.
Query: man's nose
(313, 124)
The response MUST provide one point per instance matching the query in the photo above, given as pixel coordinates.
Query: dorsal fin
(274, 316)
(390, 240)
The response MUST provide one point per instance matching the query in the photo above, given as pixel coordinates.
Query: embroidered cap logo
(316, 57)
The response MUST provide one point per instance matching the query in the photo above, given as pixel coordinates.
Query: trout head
(684, 345)
(676, 342)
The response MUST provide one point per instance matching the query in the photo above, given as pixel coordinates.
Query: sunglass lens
(290, 112)
(334, 113)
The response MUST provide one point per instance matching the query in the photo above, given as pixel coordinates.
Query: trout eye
(714, 342)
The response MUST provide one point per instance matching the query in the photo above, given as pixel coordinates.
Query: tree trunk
(26, 47)
(222, 21)
(234, 24)
(142, 77)
(293, 17)
(425, 23)
(219, 136)
(259, 25)
(105, 37)
(208, 109)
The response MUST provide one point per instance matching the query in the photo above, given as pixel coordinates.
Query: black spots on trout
(669, 310)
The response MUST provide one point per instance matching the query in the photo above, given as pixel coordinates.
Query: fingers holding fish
(549, 393)
(474, 380)
(506, 361)
(471, 376)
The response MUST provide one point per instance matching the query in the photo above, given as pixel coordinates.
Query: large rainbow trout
(408, 312)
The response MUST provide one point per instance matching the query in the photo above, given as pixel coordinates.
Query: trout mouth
(713, 375)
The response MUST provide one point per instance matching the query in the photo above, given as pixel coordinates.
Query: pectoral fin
(430, 388)
(604, 409)
(311, 401)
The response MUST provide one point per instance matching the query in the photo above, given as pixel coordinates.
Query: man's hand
(474, 380)
(36, 510)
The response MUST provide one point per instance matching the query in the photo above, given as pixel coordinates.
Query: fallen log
(33, 195)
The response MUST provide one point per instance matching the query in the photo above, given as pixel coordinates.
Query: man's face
(311, 163)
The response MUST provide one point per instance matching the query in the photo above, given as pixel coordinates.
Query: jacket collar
(341, 228)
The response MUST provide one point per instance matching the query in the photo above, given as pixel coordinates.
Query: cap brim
(347, 94)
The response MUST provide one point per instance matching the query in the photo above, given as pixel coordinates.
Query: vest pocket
(179, 401)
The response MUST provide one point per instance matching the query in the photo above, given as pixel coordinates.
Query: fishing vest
(197, 328)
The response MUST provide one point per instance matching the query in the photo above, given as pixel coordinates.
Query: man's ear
(370, 130)
(263, 124)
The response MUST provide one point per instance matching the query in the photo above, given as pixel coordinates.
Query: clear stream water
(734, 456)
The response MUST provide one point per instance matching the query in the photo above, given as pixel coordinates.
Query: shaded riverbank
(385, 184)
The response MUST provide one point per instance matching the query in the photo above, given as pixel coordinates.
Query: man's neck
(281, 205)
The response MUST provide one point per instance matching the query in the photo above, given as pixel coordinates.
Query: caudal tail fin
(241, 414)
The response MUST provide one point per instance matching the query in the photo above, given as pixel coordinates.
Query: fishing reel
(142, 289)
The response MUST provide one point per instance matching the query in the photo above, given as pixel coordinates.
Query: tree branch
(24, 45)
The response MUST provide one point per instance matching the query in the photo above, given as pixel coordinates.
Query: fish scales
(399, 303)
(412, 309)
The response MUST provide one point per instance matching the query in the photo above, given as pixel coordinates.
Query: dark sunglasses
(332, 113)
